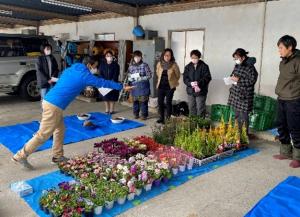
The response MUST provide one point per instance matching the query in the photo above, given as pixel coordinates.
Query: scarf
(165, 65)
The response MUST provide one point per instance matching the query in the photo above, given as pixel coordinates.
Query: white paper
(104, 91)
(54, 79)
(228, 81)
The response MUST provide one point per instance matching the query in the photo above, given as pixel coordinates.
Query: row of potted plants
(203, 143)
(104, 179)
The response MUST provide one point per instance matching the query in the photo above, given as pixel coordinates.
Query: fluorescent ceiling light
(67, 5)
(5, 12)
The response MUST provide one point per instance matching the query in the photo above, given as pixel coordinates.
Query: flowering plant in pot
(149, 142)
(47, 199)
(99, 202)
(88, 209)
(122, 192)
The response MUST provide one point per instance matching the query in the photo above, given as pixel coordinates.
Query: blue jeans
(140, 104)
(43, 92)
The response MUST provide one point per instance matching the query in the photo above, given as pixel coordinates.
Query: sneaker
(24, 163)
(59, 160)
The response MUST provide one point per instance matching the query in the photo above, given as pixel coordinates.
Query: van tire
(28, 88)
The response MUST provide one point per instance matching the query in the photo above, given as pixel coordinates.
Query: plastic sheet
(282, 201)
(14, 137)
(52, 179)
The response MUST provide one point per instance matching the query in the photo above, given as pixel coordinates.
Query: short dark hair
(164, 52)
(240, 52)
(43, 46)
(89, 60)
(137, 53)
(196, 53)
(288, 41)
(108, 52)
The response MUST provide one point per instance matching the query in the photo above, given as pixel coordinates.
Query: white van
(18, 56)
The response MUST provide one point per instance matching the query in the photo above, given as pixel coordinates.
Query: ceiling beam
(106, 6)
(191, 5)
(10, 20)
(6, 26)
(46, 14)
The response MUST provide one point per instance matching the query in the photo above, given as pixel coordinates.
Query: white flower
(119, 167)
(123, 181)
(157, 171)
(131, 160)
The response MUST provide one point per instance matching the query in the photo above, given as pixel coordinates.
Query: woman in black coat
(242, 93)
(46, 70)
(110, 70)
(196, 77)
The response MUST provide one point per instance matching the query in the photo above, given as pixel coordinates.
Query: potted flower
(88, 209)
(166, 175)
(131, 187)
(190, 164)
(122, 193)
(139, 184)
(110, 196)
(157, 177)
(99, 202)
(148, 185)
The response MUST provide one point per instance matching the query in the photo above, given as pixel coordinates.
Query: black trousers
(162, 95)
(288, 121)
(242, 118)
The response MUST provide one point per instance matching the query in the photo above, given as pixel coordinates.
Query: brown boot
(286, 151)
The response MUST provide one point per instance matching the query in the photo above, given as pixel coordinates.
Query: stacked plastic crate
(264, 114)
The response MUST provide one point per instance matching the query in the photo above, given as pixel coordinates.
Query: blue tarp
(282, 201)
(14, 137)
(52, 179)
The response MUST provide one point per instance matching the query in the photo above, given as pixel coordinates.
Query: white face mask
(238, 62)
(195, 61)
(94, 71)
(109, 59)
(47, 52)
(137, 59)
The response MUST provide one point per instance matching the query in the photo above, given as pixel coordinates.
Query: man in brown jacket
(288, 91)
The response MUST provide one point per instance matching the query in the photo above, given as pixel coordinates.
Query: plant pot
(98, 210)
(109, 204)
(190, 166)
(181, 168)
(148, 187)
(174, 171)
(88, 214)
(157, 182)
(138, 192)
(46, 210)
(52, 214)
(121, 200)
(165, 179)
(130, 196)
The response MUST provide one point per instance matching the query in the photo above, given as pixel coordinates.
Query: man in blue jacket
(69, 85)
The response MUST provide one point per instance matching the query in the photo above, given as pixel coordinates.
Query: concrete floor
(229, 191)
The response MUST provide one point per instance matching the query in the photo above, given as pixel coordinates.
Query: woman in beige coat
(168, 75)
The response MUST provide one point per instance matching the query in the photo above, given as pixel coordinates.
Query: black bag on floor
(180, 108)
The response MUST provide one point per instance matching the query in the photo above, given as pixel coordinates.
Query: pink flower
(144, 176)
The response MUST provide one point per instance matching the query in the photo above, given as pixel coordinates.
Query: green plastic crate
(261, 120)
(259, 102)
(218, 111)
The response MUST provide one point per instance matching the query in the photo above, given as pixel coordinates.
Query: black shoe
(143, 118)
(136, 117)
(160, 121)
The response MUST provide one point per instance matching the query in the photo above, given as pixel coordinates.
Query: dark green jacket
(288, 84)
